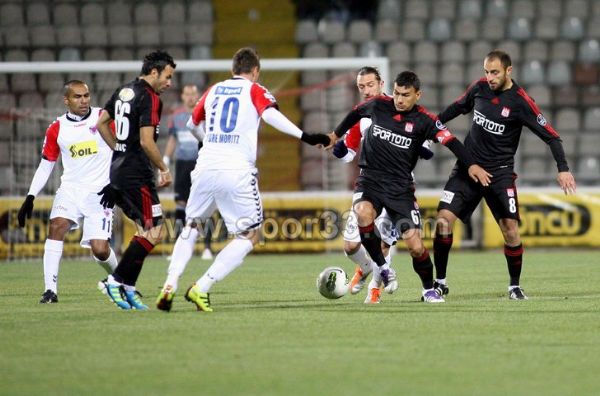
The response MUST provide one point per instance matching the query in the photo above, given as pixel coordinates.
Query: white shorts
(75, 205)
(387, 231)
(233, 192)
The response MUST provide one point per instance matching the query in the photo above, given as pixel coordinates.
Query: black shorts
(401, 206)
(461, 195)
(141, 204)
(183, 180)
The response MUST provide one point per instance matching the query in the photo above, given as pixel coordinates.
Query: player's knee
(58, 227)
(416, 250)
(100, 249)
(443, 224)
(351, 247)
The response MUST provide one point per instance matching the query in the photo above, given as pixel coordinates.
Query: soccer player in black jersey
(501, 108)
(389, 153)
(136, 108)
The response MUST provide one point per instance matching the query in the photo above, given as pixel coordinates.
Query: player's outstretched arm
(151, 149)
(566, 181)
(40, 178)
(103, 126)
(476, 172)
(277, 120)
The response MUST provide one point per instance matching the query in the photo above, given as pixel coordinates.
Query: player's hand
(316, 139)
(479, 175)
(333, 138)
(339, 149)
(566, 181)
(164, 178)
(26, 210)
(107, 197)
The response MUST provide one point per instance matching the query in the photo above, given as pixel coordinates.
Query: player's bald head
(69, 85)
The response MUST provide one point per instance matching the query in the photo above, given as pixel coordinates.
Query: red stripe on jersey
(353, 137)
(382, 96)
(199, 114)
(423, 110)
(261, 98)
(483, 79)
(154, 116)
(51, 151)
(536, 110)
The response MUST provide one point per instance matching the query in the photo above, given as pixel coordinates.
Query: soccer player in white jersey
(86, 163)
(225, 177)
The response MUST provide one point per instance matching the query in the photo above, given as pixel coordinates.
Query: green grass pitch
(273, 334)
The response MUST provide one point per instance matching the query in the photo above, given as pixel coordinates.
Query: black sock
(130, 266)
(441, 250)
(514, 260)
(424, 268)
(179, 221)
(372, 243)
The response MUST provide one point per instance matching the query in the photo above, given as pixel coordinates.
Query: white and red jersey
(231, 110)
(85, 156)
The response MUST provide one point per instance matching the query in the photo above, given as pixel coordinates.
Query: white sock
(52, 253)
(362, 259)
(441, 281)
(226, 261)
(129, 288)
(111, 281)
(109, 264)
(182, 253)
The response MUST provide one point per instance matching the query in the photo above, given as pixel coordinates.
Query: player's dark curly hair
(408, 79)
(369, 70)
(157, 60)
(501, 55)
(244, 60)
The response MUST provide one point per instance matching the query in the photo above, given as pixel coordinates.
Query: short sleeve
(261, 98)
(50, 150)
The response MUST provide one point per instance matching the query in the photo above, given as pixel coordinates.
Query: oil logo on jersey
(83, 149)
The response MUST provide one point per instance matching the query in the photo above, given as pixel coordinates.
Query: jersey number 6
(121, 121)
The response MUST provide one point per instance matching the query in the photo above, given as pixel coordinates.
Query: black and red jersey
(133, 105)
(391, 145)
(498, 118)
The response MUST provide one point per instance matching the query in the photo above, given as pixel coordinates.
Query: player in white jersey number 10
(86, 163)
(225, 178)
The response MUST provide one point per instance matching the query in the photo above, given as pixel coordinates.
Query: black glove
(425, 153)
(340, 149)
(314, 139)
(25, 210)
(108, 197)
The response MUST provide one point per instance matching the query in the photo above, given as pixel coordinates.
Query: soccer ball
(332, 283)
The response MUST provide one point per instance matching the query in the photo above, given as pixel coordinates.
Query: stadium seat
(429, 98)
(453, 51)
(386, 31)
(68, 36)
(312, 77)
(589, 51)
(416, 9)
(512, 47)
(92, 14)
(452, 73)
(565, 96)
(43, 55)
(496, 9)
(200, 52)
(546, 28)
(18, 37)
(593, 28)
(119, 13)
(470, 9)
(316, 121)
(16, 55)
(172, 13)
(146, 13)
(313, 100)
(478, 50)
(69, 54)
(519, 29)
(571, 28)
(428, 74)
(591, 120)
(590, 95)
(172, 34)
(535, 50)
(95, 54)
(38, 14)
(315, 50)
(389, 9)
(444, 9)
(532, 145)
(425, 51)
(559, 73)
(588, 169)
(589, 143)
(595, 9)
(42, 36)
(534, 168)
(23, 83)
(95, 36)
(31, 101)
(541, 94)
(577, 8)
(562, 50)
(343, 50)
(466, 30)
(331, 31)
(306, 31)
(200, 11)
(413, 30)
(425, 171)
(200, 34)
(439, 30)
(474, 71)
(4, 87)
(147, 35)
(549, 8)
(121, 54)
(567, 119)
(339, 98)
(11, 14)
(370, 49)
(107, 81)
(360, 31)
(493, 29)
(586, 74)
(532, 72)
(399, 51)
(7, 101)
(177, 52)
(450, 93)
(121, 35)
(522, 9)
(65, 14)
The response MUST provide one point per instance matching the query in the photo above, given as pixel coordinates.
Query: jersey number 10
(229, 114)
